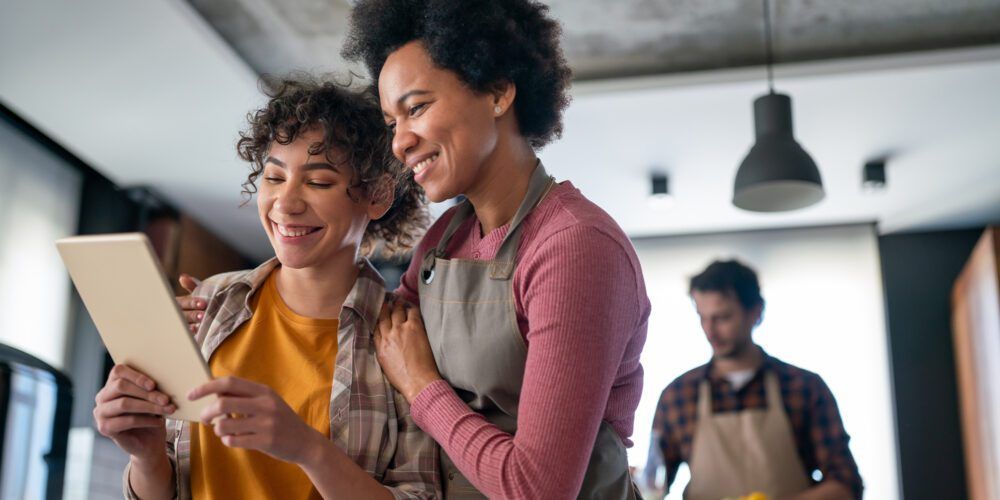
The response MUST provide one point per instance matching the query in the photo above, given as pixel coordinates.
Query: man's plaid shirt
(369, 420)
(812, 410)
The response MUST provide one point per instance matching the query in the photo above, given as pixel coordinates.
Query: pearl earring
(496, 109)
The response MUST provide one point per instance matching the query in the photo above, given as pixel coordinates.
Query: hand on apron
(403, 350)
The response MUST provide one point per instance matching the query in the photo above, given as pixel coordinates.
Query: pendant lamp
(777, 175)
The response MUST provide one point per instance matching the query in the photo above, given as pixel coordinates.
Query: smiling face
(442, 130)
(305, 207)
(727, 324)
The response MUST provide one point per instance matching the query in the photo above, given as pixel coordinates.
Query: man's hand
(193, 307)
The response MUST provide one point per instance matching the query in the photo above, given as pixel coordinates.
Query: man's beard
(735, 351)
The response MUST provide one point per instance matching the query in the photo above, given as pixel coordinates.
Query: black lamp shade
(777, 174)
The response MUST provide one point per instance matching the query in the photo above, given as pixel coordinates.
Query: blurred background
(122, 116)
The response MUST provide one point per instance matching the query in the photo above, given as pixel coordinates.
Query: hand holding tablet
(130, 301)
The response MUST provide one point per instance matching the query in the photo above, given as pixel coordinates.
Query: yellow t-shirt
(292, 354)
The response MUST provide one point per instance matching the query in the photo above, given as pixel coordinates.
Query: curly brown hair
(354, 129)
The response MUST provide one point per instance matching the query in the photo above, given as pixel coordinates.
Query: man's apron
(738, 453)
(468, 311)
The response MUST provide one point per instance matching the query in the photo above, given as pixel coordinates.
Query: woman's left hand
(252, 416)
(403, 349)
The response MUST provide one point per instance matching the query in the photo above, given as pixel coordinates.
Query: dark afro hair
(353, 130)
(730, 277)
(485, 42)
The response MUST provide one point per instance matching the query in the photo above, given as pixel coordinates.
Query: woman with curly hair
(521, 356)
(304, 409)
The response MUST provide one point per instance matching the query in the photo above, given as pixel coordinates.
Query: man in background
(745, 421)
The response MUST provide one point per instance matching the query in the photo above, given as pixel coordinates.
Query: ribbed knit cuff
(437, 409)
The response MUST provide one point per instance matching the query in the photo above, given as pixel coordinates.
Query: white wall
(145, 92)
(824, 312)
(39, 203)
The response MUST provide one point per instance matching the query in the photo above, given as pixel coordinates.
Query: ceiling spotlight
(659, 196)
(777, 174)
(873, 176)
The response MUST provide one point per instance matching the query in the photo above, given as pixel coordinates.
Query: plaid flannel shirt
(812, 410)
(369, 420)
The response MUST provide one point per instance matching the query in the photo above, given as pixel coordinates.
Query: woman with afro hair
(520, 320)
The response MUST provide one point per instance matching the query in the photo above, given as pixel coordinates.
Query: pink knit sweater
(582, 308)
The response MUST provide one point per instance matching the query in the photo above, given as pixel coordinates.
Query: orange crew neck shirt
(294, 355)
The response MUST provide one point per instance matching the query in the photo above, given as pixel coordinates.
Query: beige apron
(468, 310)
(738, 453)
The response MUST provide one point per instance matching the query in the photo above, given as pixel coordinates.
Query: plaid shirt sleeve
(664, 431)
(384, 438)
(413, 471)
(172, 429)
(830, 440)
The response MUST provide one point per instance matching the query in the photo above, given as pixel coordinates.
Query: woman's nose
(403, 140)
(289, 200)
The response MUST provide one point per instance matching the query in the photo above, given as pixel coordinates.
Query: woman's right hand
(193, 307)
(130, 411)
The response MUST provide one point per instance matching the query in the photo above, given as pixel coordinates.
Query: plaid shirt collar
(767, 363)
(360, 300)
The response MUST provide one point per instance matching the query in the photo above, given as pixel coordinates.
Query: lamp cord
(767, 44)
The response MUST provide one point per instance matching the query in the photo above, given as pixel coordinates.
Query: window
(824, 312)
(39, 201)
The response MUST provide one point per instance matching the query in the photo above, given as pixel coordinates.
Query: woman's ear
(503, 97)
(382, 195)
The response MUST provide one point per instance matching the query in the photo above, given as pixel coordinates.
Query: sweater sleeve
(581, 297)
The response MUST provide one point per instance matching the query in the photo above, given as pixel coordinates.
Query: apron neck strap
(772, 391)
(427, 265)
(502, 266)
(461, 214)
(704, 400)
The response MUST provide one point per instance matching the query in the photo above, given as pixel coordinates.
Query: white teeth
(292, 233)
(419, 167)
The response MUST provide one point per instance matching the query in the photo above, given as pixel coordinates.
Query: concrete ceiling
(619, 38)
(149, 93)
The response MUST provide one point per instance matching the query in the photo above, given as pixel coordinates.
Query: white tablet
(121, 283)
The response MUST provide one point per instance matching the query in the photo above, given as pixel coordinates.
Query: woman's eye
(321, 185)
(417, 109)
(391, 127)
(273, 180)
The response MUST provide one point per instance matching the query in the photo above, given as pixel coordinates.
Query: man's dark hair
(730, 277)
(485, 42)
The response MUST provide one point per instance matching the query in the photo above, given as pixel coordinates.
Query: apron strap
(704, 400)
(462, 213)
(502, 266)
(772, 391)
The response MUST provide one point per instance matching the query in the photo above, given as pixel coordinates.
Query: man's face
(726, 323)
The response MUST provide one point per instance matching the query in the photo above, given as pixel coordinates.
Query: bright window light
(824, 313)
(39, 203)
